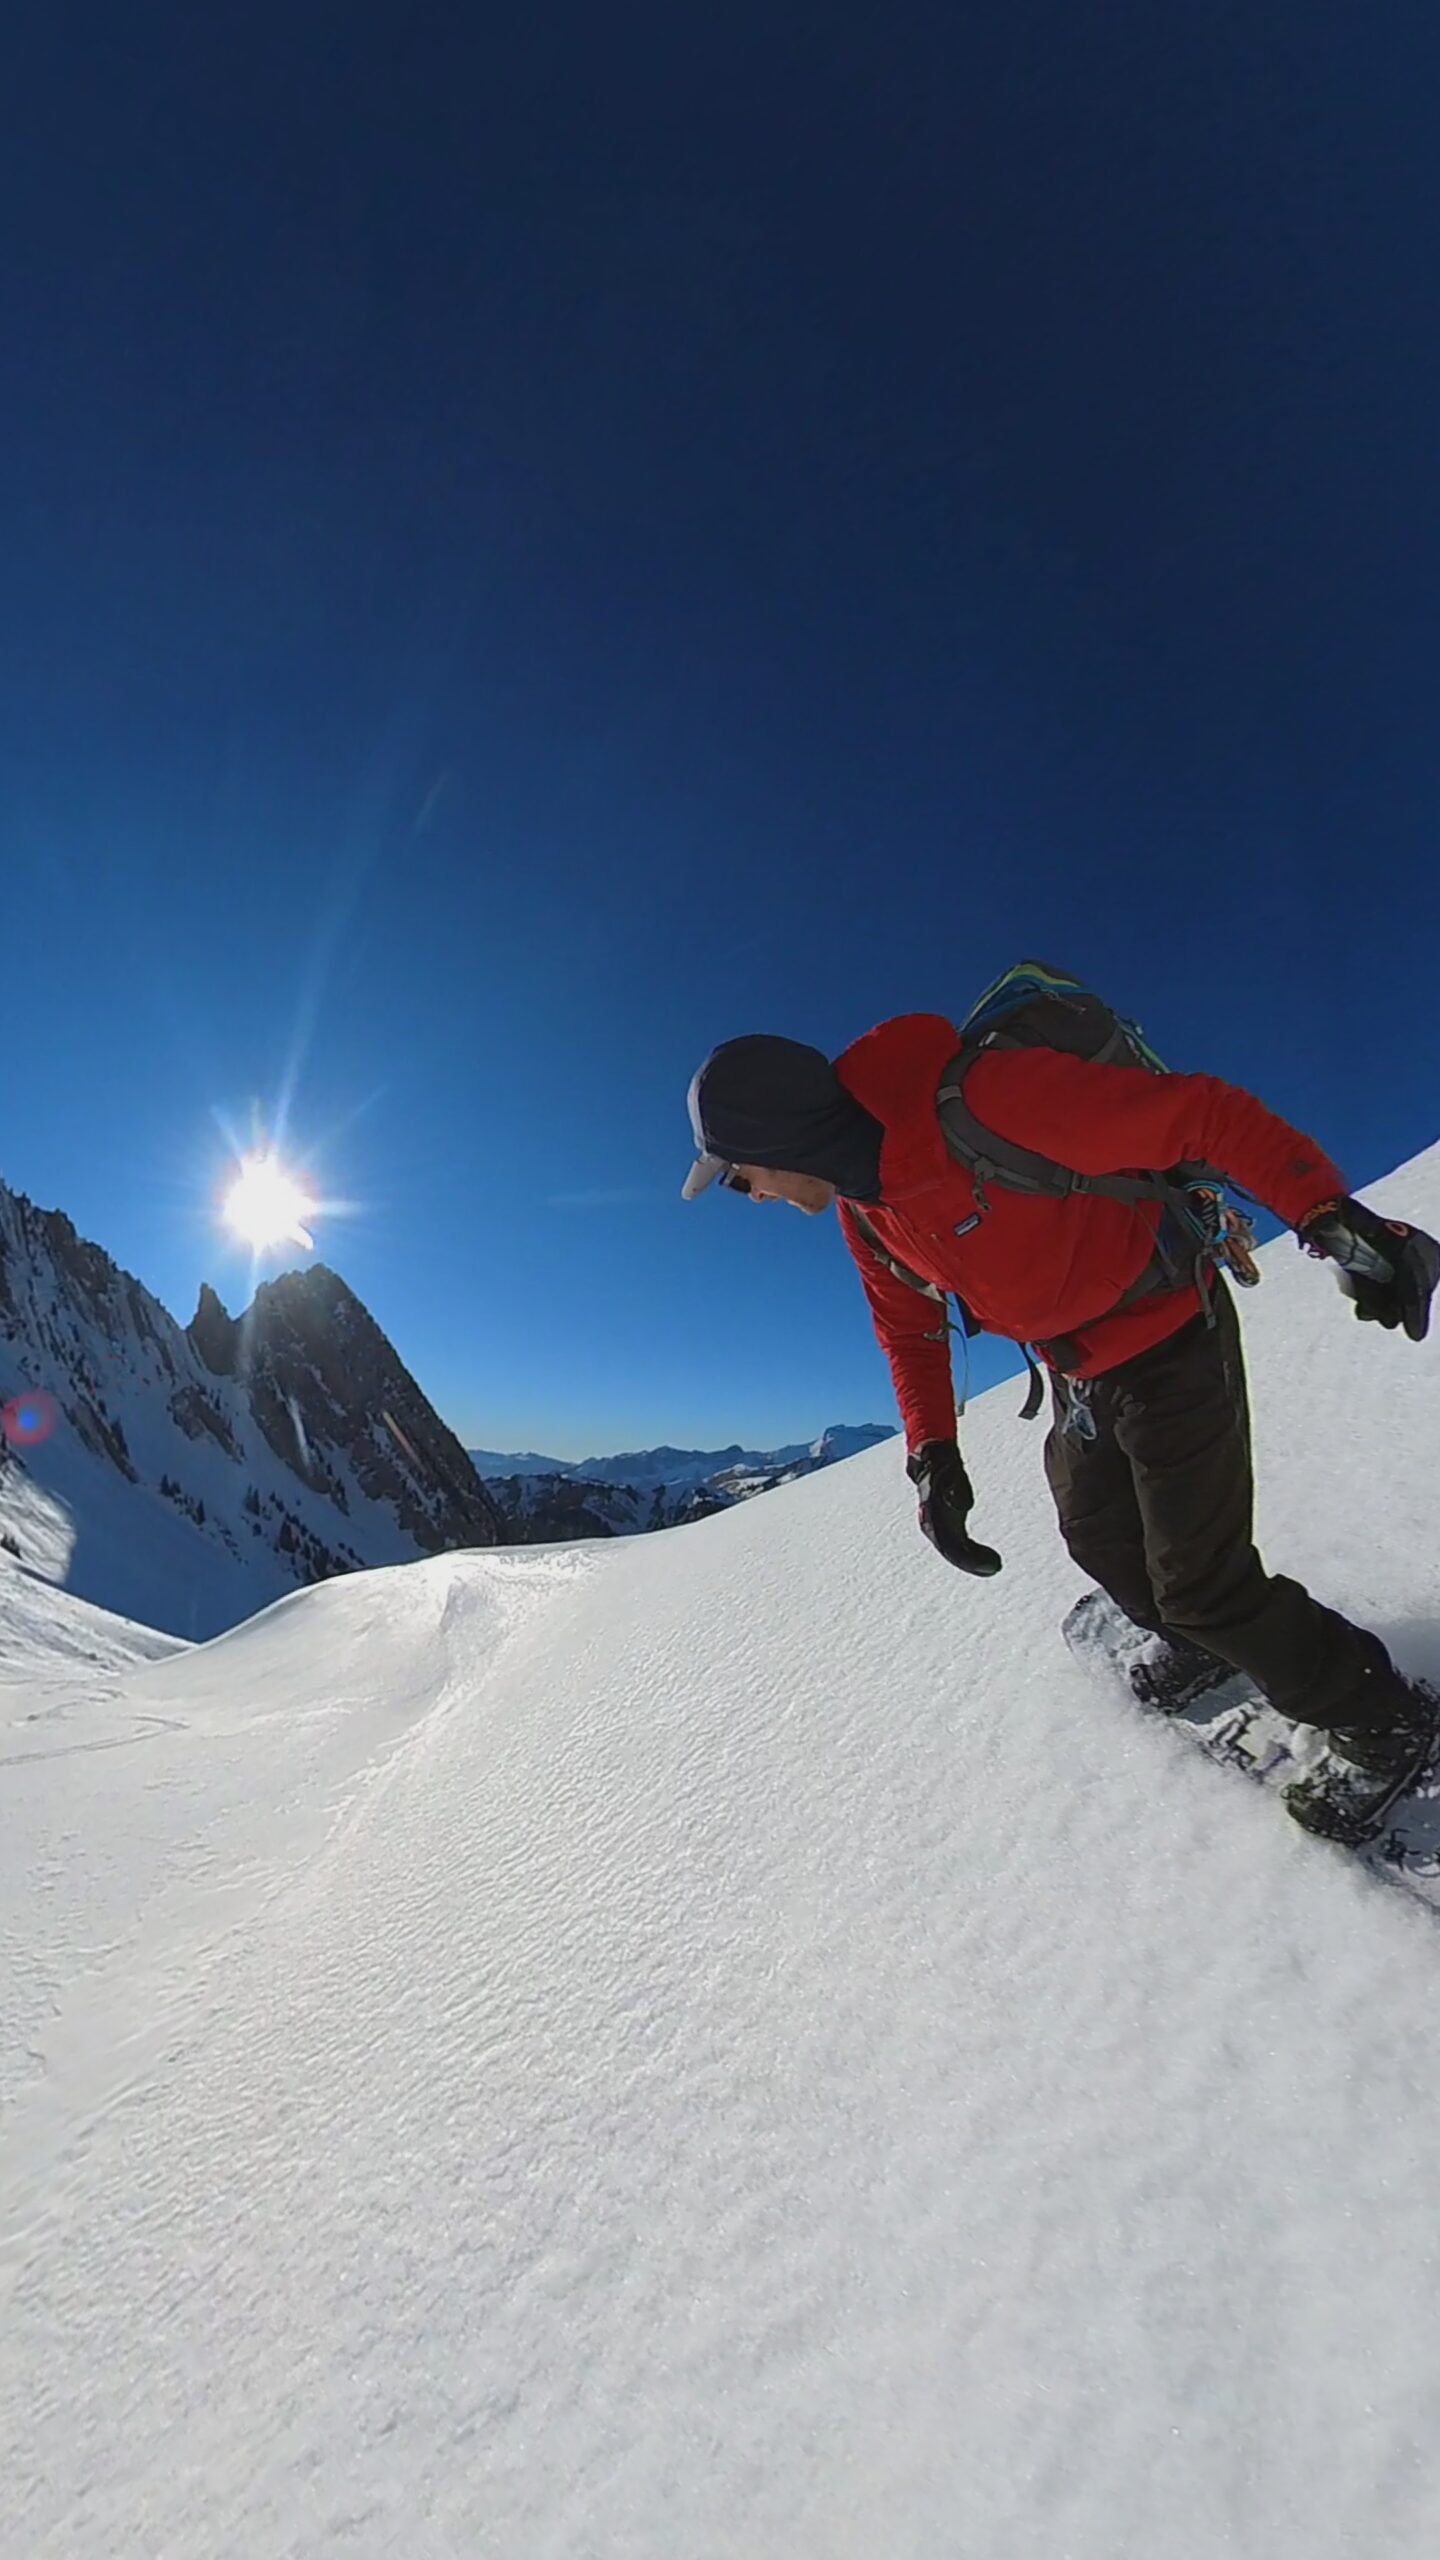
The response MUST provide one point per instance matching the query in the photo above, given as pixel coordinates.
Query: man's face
(804, 1191)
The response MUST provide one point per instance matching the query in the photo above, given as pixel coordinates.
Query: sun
(267, 1206)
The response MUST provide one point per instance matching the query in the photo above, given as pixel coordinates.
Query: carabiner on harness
(1229, 1234)
(1079, 1420)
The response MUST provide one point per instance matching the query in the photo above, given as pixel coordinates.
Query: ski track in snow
(724, 2046)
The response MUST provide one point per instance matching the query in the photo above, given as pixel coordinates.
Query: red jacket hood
(891, 1070)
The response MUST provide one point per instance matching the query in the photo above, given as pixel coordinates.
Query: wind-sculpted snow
(723, 2046)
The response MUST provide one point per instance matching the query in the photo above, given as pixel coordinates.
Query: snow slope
(45, 1632)
(724, 2046)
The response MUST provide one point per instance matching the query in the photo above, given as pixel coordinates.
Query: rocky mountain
(187, 1476)
(541, 1499)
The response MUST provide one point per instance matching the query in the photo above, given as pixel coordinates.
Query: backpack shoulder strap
(892, 1262)
(902, 1271)
(991, 1158)
(986, 1156)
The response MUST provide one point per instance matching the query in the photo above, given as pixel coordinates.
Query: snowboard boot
(1402, 1743)
(1375, 1760)
(1386, 1720)
(1172, 1672)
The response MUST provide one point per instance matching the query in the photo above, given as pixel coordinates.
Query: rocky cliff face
(339, 1408)
(189, 1475)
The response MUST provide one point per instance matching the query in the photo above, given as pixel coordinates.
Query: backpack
(1036, 1007)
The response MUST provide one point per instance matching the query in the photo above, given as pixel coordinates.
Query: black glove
(947, 1499)
(1390, 1270)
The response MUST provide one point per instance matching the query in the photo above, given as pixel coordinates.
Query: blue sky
(532, 549)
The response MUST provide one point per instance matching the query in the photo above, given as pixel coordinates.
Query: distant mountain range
(541, 1498)
(186, 1476)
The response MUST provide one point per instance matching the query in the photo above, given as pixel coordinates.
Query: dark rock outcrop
(325, 1385)
(214, 1334)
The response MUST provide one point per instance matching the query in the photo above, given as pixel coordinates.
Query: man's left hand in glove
(1389, 1269)
(937, 1471)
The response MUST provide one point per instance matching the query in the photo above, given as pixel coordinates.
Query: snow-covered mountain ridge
(644, 1469)
(196, 1473)
(727, 2045)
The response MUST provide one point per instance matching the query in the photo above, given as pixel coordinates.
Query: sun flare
(267, 1206)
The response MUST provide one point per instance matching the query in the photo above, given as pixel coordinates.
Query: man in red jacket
(1148, 1457)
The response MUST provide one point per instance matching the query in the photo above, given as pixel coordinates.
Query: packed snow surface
(722, 2046)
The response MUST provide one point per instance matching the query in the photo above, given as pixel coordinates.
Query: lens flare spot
(28, 1419)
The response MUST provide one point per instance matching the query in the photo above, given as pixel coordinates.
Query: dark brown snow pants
(1157, 1507)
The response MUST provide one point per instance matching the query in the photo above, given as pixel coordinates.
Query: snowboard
(1233, 1724)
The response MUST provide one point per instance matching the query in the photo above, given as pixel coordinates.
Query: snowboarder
(1148, 1457)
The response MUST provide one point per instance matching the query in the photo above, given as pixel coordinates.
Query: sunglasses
(730, 1180)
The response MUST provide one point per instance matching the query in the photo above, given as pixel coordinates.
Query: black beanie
(779, 1103)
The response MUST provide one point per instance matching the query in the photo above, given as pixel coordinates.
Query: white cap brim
(704, 1171)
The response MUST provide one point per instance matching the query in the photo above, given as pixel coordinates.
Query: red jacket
(1033, 1268)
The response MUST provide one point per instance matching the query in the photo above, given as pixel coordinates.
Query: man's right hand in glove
(1389, 1269)
(947, 1498)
